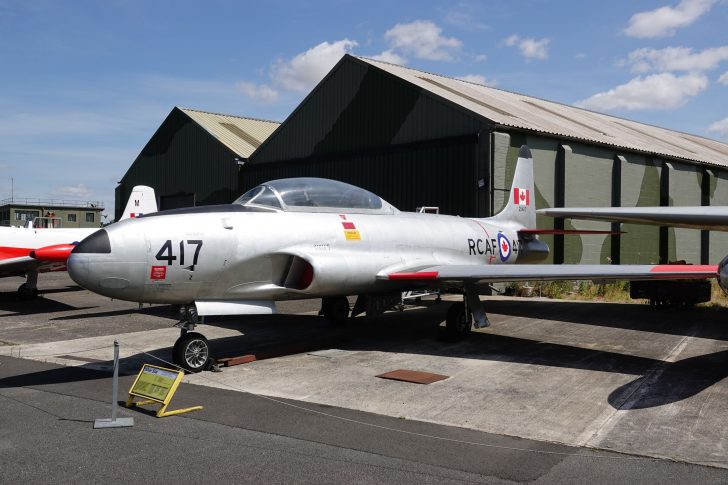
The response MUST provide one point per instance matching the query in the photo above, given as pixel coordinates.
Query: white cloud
(66, 123)
(78, 191)
(390, 56)
(530, 48)
(260, 92)
(663, 21)
(464, 21)
(424, 40)
(477, 79)
(720, 127)
(655, 92)
(306, 69)
(676, 59)
(481, 58)
(723, 79)
(300, 73)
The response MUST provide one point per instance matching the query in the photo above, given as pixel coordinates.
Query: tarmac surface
(552, 392)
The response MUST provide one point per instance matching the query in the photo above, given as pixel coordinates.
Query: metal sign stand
(157, 385)
(114, 422)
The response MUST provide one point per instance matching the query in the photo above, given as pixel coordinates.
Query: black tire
(336, 309)
(25, 293)
(457, 326)
(192, 352)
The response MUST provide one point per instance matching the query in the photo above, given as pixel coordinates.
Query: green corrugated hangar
(420, 139)
(194, 158)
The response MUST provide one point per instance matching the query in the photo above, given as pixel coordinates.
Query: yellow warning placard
(352, 235)
(155, 383)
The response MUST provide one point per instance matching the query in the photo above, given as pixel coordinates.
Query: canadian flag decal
(521, 196)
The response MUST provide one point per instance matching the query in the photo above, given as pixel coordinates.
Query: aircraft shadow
(641, 317)
(59, 375)
(65, 289)
(163, 311)
(39, 305)
(657, 382)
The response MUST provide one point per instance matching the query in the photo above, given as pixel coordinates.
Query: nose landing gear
(191, 351)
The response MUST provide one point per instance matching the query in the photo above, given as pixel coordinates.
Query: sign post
(114, 422)
(157, 385)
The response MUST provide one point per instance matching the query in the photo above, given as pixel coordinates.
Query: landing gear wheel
(26, 293)
(336, 309)
(191, 352)
(457, 325)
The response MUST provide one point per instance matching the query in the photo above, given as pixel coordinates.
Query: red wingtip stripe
(685, 268)
(425, 275)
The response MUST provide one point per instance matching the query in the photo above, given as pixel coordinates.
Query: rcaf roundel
(504, 247)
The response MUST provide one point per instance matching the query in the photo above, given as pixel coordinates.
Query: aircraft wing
(550, 272)
(18, 266)
(707, 217)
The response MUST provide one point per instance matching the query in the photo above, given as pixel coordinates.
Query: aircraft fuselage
(234, 255)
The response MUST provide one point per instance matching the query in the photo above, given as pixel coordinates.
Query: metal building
(56, 213)
(417, 138)
(194, 158)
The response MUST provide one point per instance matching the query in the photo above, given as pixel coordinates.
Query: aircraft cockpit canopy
(309, 194)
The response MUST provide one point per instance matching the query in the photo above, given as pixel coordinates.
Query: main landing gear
(29, 289)
(463, 315)
(335, 308)
(191, 351)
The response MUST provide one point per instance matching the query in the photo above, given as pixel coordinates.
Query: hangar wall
(183, 163)
(717, 194)
(363, 127)
(570, 174)
(417, 139)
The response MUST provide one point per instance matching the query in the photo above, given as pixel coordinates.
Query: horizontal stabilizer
(714, 218)
(568, 231)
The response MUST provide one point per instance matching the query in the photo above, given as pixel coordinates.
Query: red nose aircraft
(27, 251)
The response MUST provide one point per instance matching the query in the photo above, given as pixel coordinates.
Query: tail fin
(520, 209)
(141, 201)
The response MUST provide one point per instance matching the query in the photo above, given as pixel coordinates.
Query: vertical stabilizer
(520, 210)
(141, 201)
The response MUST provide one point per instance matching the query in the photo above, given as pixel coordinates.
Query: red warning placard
(158, 273)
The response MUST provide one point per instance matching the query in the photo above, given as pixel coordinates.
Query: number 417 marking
(165, 253)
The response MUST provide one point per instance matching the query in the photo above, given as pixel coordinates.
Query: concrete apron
(591, 377)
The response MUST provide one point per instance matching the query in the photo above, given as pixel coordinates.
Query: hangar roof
(508, 109)
(241, 135)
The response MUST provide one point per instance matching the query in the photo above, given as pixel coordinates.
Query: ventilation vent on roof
(680, 147)
(469, 98)
(237, 131)
(556, 113)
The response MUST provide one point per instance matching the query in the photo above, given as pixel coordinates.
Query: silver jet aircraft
(316, 238)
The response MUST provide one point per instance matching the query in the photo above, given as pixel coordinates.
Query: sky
(84, 84)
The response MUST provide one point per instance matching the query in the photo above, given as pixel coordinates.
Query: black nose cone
(97, 242)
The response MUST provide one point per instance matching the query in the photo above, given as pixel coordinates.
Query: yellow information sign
(157, 385)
